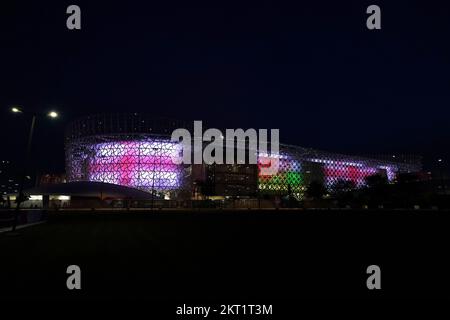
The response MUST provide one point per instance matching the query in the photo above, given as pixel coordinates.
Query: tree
(376, 181)
(409, 190)
(316, 190)
(344, 191)
(22, 198)
(377, 189)
(343, 186)
(407, 177)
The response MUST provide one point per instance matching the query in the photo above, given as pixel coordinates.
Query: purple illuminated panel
(143, 164)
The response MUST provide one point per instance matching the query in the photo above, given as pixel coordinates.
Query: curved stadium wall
(135, 150)
(132, 150)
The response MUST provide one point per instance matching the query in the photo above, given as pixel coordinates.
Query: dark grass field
(229, 256)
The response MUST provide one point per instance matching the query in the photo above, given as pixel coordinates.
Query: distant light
(393, 156)
(53, 114)
(16, 110)
(59, 197)
(439, 160)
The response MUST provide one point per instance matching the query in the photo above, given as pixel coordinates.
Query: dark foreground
(230, 256)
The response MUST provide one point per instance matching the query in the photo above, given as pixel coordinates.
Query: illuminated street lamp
(53, 114)
(20, 196)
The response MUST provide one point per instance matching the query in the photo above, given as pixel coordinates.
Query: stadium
(135, 150)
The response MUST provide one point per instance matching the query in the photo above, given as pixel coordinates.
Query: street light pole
(22, 177)
(20, 195)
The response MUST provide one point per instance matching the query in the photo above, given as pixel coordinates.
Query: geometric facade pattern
(142, 164)
(298, 167)
(127, 149)
(289, 177)
(354, 172)
(135, 150)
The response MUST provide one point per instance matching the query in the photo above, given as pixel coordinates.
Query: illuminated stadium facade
(135, 150)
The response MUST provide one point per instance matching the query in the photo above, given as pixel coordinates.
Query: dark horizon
(312, 69)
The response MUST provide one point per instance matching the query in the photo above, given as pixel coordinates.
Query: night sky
(311, 69)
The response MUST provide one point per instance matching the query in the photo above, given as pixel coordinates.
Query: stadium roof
(90, 189)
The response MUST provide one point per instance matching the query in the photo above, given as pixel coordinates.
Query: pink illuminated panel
(357, 172)
(143, 164)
